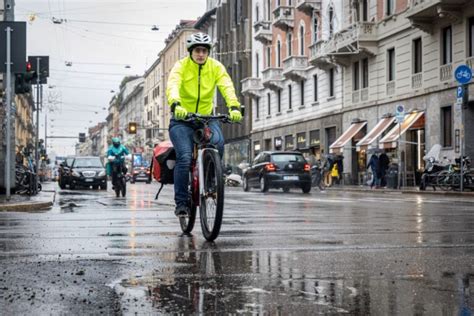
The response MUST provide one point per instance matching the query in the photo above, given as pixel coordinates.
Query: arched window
(315, 27)
(278, 54)
(301, 40)
(331, 21)
(289, 42)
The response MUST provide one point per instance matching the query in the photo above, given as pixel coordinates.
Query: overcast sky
(99, 38)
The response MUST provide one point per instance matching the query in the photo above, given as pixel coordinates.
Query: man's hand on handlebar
(235, 115)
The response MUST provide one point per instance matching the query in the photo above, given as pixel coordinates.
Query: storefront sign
(278, 142)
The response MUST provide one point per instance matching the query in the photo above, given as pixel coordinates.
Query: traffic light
(82, 137)
(21, 86)
(132, 128)
(30, 74)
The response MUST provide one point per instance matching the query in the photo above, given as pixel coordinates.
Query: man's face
(200, 54)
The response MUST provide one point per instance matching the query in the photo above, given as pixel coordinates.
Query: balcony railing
(308, 6)
(364, 94)
(283, 17)
(272, 78)
(391, 88)
(360, 38)
(294, 67)
(262, 31)
(355, 96)
(252, 86)
(318, 57)
(446, 72)
(417, 80)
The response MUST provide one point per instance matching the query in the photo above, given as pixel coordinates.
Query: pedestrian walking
(374, 166)
(384, 162)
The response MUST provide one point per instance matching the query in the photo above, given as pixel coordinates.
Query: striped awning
(338, 145)
(390, 140)
(374, 133)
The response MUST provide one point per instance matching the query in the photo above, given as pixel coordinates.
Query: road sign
(400, 113)
(18, 47)
(463, 74)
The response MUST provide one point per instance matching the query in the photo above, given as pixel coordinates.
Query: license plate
(89, 180)
(291, 178)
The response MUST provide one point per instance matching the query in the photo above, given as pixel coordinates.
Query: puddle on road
(204, 279)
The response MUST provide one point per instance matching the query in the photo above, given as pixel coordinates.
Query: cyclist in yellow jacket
(190, 89)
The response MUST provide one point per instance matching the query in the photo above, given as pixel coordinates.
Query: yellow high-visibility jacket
(194, 85)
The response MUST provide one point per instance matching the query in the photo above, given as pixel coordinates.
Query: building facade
(131, 109)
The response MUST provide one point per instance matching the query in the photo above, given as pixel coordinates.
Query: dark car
(140, 173)
(87, 172)
(278, 169)
(64, 172)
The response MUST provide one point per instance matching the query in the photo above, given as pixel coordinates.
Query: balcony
(417, 80)
(252, 86)
(284, 17)
(294, 67)
(263, 32)
(358, 40)
(318, 56)
(273, 78)
(308, 6)
(425, 14)
(446, 72)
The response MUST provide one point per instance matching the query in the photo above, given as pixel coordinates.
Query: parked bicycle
(450, 179)
(25, 179)
(206, 185)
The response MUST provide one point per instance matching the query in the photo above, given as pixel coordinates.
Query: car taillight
(270, 167)
(307, 167)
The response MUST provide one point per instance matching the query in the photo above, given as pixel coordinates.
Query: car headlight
(102, 173)
(76, 174)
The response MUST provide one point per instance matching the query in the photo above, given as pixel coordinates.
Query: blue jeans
(181, 135)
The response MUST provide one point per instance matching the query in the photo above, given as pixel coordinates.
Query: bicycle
(451, 178)
(206, 185)
(120, 185)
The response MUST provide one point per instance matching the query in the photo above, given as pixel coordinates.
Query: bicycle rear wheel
(211, 206)
(187, 222)
(445, 180)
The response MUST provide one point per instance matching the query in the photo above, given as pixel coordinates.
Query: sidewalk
(403, 190)
(24, 203)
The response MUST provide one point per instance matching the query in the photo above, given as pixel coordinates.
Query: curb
(442, 193)
(26, 207)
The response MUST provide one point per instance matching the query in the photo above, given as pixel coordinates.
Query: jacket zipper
(199, 88)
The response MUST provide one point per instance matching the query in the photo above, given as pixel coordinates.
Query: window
(257, 13)
(446, 41)
(289, 97)
(302, 92)
(389, 7)
(365, 73)
(365, 10)
(470, 41)
(315, 87)
(269, 8)
(331, 82)
(301, 40)
(315, 27)
(301, 140)
(269, 53)
(289, 142)
(289, 40)
(417, 61)
(314, 139)
(257, 107)
(269, 104)
(278, 54)
(331, 21)
(446, 126)
(355, 76)
(391, 64)
(279, 100)
(257, 65)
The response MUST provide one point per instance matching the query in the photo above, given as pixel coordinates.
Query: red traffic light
(28, 66)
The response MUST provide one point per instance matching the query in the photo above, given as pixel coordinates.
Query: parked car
(64, 172)
(87, 172)
(278, 169)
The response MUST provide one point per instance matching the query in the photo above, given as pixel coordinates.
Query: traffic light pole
(7, 112)
(38, 106)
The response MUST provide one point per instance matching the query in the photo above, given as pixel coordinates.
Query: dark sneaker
(181, 211)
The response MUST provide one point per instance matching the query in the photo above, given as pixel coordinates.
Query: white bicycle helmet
(198, 39)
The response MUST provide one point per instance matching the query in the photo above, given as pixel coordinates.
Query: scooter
(433, 167)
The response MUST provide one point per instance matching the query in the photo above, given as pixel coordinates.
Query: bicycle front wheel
(211, 208)
(187, 222)
(445, 180)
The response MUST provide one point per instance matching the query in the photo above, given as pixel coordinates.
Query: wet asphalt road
(278, 253)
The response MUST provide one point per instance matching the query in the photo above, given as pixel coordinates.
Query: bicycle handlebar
(224, 118)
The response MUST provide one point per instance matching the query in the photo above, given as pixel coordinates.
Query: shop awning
(337, 146)
(381, 126)
(390, 140)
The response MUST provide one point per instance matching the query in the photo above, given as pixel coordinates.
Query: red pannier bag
(162, 164)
